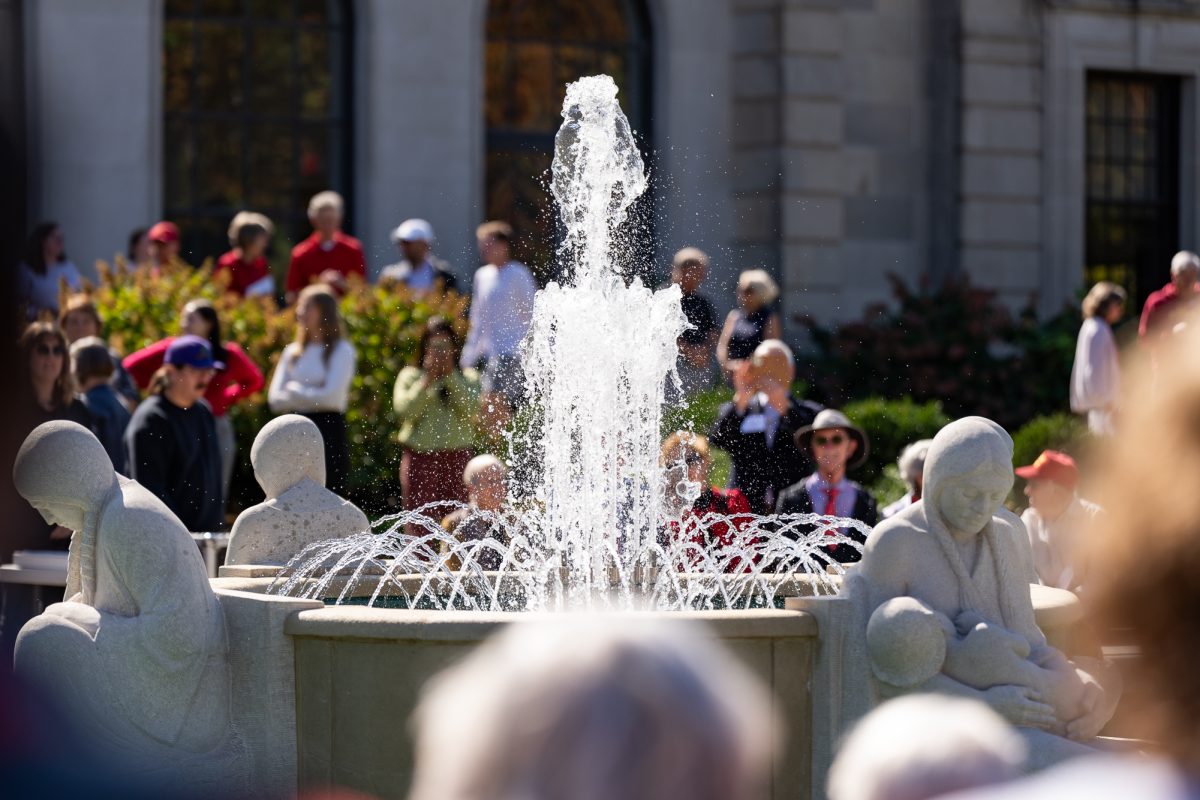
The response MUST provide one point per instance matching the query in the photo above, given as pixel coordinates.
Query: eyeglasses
(440, 347)
(834, 441)
(693, 459)
(47, 350)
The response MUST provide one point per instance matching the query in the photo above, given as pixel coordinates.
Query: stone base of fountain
(343, 680)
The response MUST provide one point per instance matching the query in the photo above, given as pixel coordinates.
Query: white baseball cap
(413, 230)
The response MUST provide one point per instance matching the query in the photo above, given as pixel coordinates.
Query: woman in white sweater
(1096, 376)
(313, 378)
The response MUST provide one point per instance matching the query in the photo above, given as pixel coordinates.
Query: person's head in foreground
(925, 746)
(594, 708)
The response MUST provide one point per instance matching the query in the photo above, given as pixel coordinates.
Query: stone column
(94, 111)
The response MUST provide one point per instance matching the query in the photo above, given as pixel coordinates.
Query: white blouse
(304, 383)
(1096, 376)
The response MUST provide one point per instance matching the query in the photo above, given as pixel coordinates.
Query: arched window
(534, 48)
(256, 106)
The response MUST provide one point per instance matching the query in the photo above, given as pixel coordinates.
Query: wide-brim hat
(831, 419)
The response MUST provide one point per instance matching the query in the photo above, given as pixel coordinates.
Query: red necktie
(831, 511)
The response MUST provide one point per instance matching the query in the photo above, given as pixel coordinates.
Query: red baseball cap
(1054, 466)
(164, 232)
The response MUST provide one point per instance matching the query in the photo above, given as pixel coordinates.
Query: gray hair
(924, 746)
(912, 461)
(323, 200)
(1183, 261)
(480, 464)
(90, 359)
(593, 708)
(761, 283)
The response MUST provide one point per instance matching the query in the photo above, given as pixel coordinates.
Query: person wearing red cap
(164, 243)
(328, 256)
(1056, 520)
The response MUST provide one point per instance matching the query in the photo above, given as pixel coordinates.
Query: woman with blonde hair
(246, 262)
(313, 377)
(1096, 375)
(755, 320)
(686, 459)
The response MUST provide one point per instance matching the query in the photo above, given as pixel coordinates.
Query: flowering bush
(384, 324)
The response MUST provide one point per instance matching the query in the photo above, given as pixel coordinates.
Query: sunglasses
(693, 459)
(47, 350)
(823, 441)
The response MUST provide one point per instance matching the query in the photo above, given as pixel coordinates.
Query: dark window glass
(534, 48)
(256, 100)
(1132, 180)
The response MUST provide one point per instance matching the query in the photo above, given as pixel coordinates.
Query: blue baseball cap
(190, 351)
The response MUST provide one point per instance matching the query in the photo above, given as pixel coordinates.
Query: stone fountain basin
(358, 672)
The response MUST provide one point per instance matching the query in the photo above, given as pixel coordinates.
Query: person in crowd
(923, 746)
(165, 241)
(593, 707)
(685, 456)
(246, 263)
(1096, 374)
(696, 345)
(1058, 520)
(912, 469)
(1164, 307)
(328, 256)
(48, 393)
(43, 269)
(92, 368)
(436, 404)
(836, 446)
(501, 312)
(756, 428)
(171, 442)
(418, 269)
(236, 376)
(313, 378)
(137, 251)
(486, 481)
(754, 321)
(80, 319)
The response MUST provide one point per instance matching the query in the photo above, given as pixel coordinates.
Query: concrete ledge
(383, 624)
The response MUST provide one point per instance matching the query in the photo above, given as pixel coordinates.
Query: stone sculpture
(289, 463)
(136, 653)
(946, 586)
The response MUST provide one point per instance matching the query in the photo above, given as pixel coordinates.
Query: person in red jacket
(690, 498)
(328, 256)
(236, 378)
(246, 262)
(1165, 307)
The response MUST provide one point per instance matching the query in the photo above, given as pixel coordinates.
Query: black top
(110, 419)
(748, 331)
(173, 452)
(759, 470)
(795, 499)
(699, 312)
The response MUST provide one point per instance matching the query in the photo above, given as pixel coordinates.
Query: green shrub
(383, 324)
(892, 425)
(1066, 433)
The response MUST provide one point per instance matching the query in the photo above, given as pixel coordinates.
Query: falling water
(604, 523)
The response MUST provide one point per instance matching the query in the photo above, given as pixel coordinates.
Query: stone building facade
(834, 142)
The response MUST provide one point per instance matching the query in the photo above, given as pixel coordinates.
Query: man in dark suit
(836, 445)
(758, 427)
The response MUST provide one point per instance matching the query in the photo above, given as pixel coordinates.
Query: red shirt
(240, 378)
(729, 503)
(1162, 309)
(242, 275)
(309, 260)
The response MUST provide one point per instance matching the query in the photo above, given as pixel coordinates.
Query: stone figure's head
(906, 642)
(968, 474)
(64, 472)
(287, 450)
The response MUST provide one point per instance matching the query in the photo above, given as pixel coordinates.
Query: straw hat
(831, 419)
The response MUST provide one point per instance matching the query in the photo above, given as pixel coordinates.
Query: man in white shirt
(1057, 520)
(419, 269)
(501, 312)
